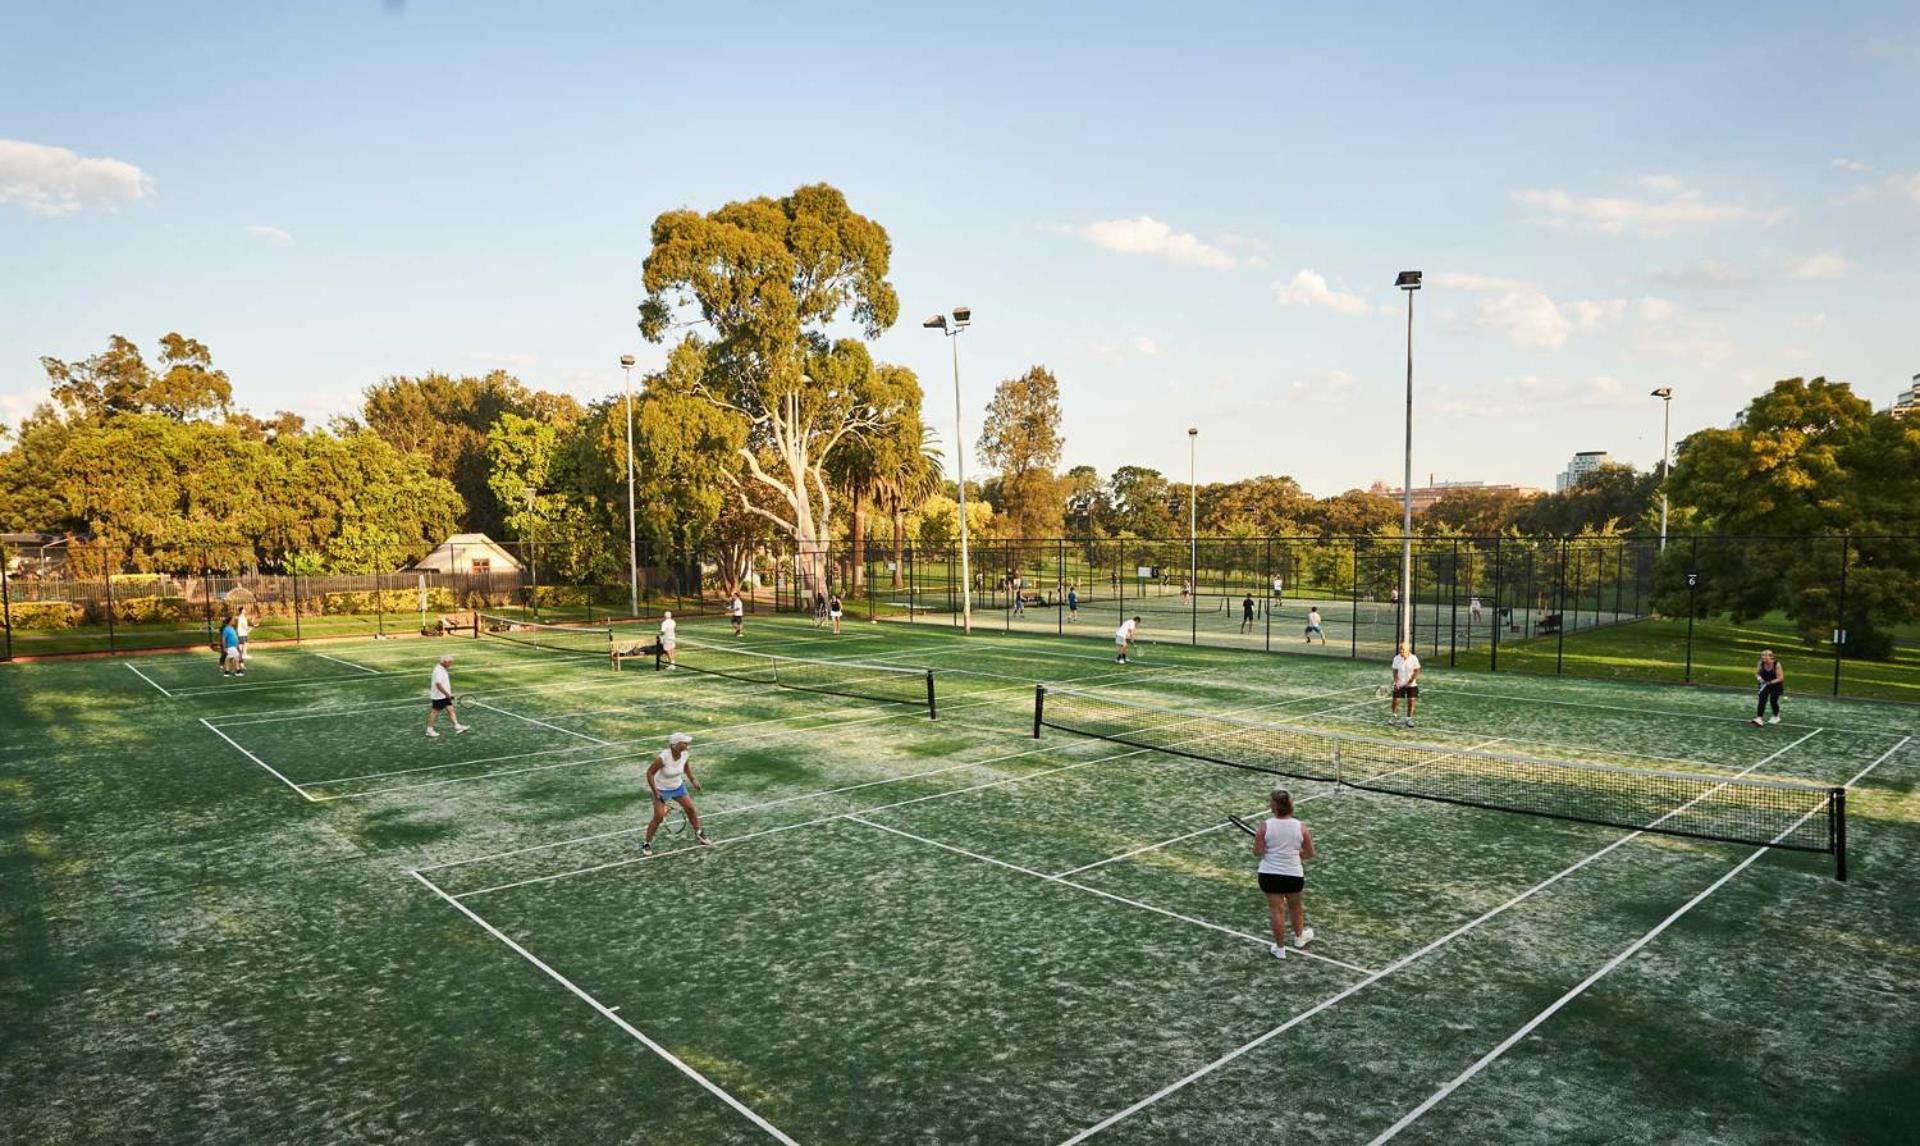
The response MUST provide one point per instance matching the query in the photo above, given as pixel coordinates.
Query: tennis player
(1073, 603)
(833, 612)
(669, 637)
(1406, 683)
(1123, 637)
(667, 778)
(1474, 609)
(1282, 844)
(440, 693)
(1246, 613)
(243, 626)
(819, 608)
(737, 612)
(1313, 625)
(1773, 684)
(232, 662)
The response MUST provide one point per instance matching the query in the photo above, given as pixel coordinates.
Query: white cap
(680, 738)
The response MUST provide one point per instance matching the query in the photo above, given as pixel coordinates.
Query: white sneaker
(1773, 720)
(1303, 938)
(1277, 951)
(461, 727)
(432, 734)
(1757, 722)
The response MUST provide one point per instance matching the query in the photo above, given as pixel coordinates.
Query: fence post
(1353, 621)
(1693, 575)
(1840, 614)
(1453, 607)
(6, 607)
(206, 591)
(296, 609)
(1063, 583)
(1266, 591)
(1560, 607)
(113, 643)
(1499, 571)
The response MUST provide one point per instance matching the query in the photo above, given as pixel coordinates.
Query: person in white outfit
(1282, 844)
(667, 778)
(1123, 638)
(669, 637)
(440, 692)
(1406, 684)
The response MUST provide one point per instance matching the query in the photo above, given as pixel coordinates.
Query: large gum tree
(759, 285)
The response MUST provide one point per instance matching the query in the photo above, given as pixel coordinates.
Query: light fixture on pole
(962, 318)
(1665, 394)
(633, 540)
(1193, 537)
(1408, 281)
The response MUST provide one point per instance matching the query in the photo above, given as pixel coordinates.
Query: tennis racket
(1384, 692)
(676, 821)
(1237, 822)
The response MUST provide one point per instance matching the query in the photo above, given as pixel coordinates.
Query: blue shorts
(673, 793)
(1314, 629)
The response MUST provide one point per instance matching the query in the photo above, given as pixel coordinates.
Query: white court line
(1256, 939)
(787, 800)
(349, 664)
(1302, 800)
(412, 702)
(304, 794)
(1507, 1044)
(1647, 711)
(145, 677)
(478, 662)
(705, 1082)
(1397, 964)
(541, 723)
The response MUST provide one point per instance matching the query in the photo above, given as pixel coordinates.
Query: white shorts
(668, 644)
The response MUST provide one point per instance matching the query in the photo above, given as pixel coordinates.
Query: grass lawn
(269, 909)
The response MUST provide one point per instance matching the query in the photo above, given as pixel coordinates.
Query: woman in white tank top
(1282, 843)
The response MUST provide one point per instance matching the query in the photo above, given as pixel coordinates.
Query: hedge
(395, 601)
(43, 615)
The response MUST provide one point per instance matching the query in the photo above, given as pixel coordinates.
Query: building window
(482, 565)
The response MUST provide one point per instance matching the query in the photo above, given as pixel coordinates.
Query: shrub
(392, 601)
(563, 596)
(148, 610)
(43, 615)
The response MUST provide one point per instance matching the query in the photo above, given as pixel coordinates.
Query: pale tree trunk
(858, 559)
(802, 485)
(899, 542)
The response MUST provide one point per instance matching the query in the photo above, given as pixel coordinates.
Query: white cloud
(1707, 274)
(1147, 236)
(1145, 347)
(1880, 184)
(1528, 317)
(510, 359)
(1326, 386)
(1674, 207)
(1457, 281)
(273, 236)
(1309, 288)
(1821, 266)
(54, 181)
(1655, 310)
(1699, 349)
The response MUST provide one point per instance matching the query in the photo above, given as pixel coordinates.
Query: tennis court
(268, 908)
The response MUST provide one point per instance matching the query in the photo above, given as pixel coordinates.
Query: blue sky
(1192, 213)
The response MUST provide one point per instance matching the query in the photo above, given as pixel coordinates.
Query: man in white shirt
(1123, 638)
(440, 692)
(669, 636)
(243, 626)
(1406, 683)
(737, 610)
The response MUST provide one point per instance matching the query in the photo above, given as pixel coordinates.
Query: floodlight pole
(633, 538)
(1193, 538)
(1408, 281)
(1665, 394)
(962, 318)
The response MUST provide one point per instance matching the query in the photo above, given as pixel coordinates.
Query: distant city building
(1583, 463)
(1906, 404)
(1431, 494)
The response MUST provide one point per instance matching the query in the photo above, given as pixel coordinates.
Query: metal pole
(1666, 433)
(1453, 607)
(1406, 500)
(1193, 542)
(6, 608)
(1560, 608)
(960, 455)
(633, 537)
(113, 644)
(1060, 603)
(1840, 615)
(1493, 652)
(1693, 575)
(1268, 594)
(1353, 623)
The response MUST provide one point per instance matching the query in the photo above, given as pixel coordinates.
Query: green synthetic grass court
(268, 909)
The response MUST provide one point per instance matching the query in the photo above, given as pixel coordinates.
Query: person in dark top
(1773, 684)
(1246, 613)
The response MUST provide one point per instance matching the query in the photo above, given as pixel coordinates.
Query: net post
(933, 708)
(1837, 831)
(1039, 707)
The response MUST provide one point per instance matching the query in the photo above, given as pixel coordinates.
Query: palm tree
(908, 481)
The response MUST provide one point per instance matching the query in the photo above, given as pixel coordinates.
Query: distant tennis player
(1246, 613)
(1282, 843)
(1474, 609)
(667, 778)
(669, 637)
(243, 626)
(1073, 603)
(1406, 683)
(737, 612)
(1773, 684)
(1123, 637)
(1313, 625)
(819, 608)
(834, 609)
(440, 692)
(232, 660)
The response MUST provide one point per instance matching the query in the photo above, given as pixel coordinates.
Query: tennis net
(1729, 809)
(581, 640)
(889, 683)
